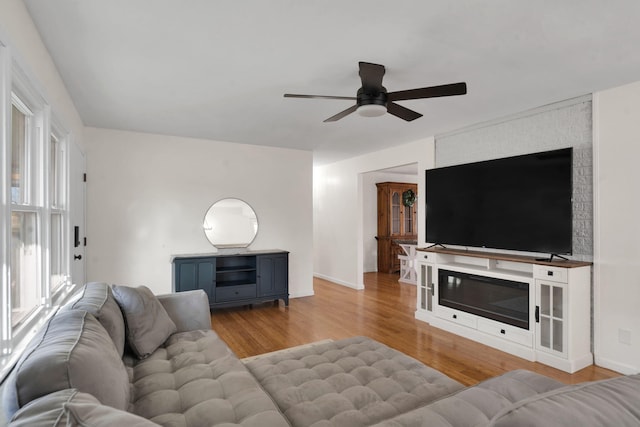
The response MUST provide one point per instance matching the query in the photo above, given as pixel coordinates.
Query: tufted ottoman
(351, 382)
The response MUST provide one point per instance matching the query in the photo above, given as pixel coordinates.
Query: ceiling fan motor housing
(370, 97)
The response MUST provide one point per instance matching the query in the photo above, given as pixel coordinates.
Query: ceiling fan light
(372, 110)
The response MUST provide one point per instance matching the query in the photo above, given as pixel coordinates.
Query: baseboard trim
(302, 295)
(615, 366)
(338, 281)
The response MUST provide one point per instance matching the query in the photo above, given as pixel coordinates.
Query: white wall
(338, 204)
(370, 212)
(20, 35)
(617, 228)
(147, 196)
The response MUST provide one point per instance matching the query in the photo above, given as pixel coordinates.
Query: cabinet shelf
(222, 270)
(492, 270)
(225, 283)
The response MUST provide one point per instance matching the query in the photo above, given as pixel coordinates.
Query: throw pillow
(97, 299)
(147, 323)
(73, 350)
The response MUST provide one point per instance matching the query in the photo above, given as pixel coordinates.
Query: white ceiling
(218, 69)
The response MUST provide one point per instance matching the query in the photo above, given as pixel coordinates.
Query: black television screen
(519, 203)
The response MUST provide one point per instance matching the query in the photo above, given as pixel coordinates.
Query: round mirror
(230, 223)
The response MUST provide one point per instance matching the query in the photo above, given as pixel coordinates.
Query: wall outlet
(624, 336)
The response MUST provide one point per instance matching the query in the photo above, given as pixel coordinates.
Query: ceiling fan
(373, 99)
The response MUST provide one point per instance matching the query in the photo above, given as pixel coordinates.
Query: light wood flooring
(384, 311)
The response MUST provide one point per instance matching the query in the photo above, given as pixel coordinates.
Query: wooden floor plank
(383, 311)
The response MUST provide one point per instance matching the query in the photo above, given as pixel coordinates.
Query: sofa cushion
(70, 408)
(195, 380)
(189, 310)
(73, 350)
(611, 402)
(352, 382)
(94, 414)
(97, 299)
(147, 323)
(476, 405)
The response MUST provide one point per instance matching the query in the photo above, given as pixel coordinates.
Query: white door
(77, 214)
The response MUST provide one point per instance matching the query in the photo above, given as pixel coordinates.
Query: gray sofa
(122, 356)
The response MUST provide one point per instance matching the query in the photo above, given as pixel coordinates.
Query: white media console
(542, 308)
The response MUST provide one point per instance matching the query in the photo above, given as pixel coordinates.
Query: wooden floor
(384, 311)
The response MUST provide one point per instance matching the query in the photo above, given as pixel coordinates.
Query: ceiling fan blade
(429, 92)
(371, 76)
(293, 95)
(342, 114)
(402, 112)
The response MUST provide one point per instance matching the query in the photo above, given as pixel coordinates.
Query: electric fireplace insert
(502, 300)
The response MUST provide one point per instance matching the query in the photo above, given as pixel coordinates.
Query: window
(34, 231)
(58, 244)
(57, 252)
(19, 121)
(55, 159)
(25, 266)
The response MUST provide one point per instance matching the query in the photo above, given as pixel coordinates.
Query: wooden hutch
(396, 222)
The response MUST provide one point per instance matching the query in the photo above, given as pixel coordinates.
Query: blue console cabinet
(235, 279)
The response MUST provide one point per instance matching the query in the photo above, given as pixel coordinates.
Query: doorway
(402, 173)
(77, 205)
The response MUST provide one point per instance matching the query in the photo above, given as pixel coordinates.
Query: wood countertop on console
(507, 257)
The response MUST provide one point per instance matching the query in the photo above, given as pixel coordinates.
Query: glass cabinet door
(396, 204)
(425, 280)
(550, 317)
(408, 220)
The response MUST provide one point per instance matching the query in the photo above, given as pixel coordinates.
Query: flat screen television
(521, 203)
